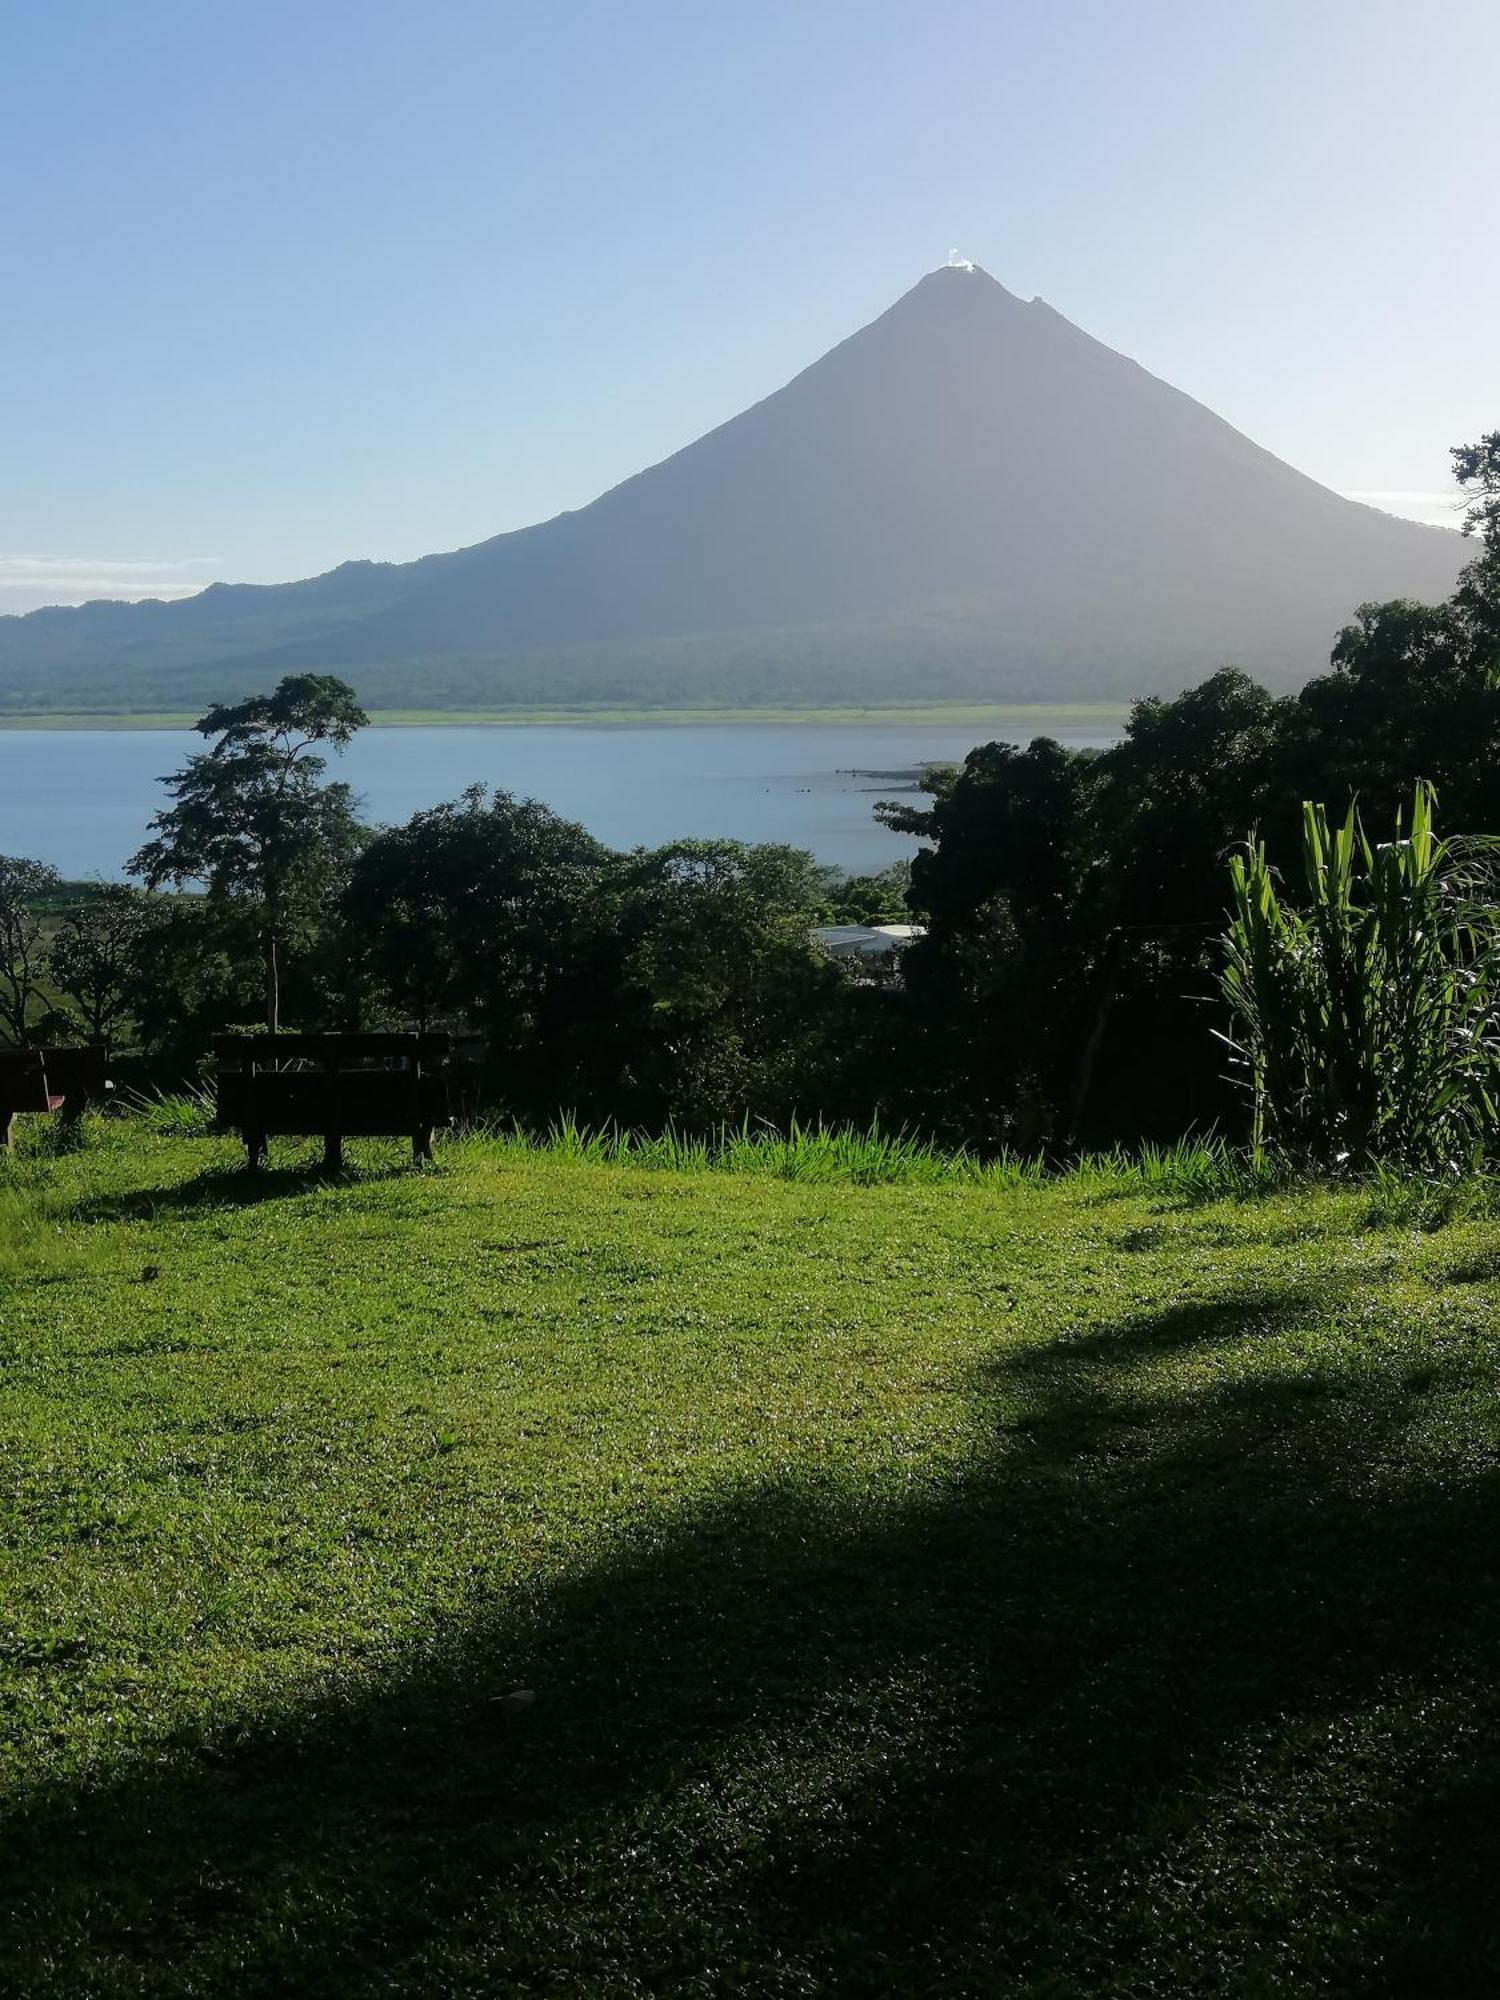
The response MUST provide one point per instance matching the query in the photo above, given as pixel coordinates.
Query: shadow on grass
(1168, 1692)
(231, 1187)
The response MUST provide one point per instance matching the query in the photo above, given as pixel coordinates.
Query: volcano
(969, 498)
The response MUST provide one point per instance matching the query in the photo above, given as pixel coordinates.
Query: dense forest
(1068, 990)
(864, 663)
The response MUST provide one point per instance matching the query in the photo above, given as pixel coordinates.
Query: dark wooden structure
(333, 1087)
(46, 1080)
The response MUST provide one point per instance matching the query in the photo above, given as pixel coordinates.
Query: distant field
(1000, 715)
(949, 1586)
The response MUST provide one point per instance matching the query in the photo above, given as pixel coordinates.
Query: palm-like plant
(1367, 1023)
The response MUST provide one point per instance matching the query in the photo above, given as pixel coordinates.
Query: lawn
(936, 1588)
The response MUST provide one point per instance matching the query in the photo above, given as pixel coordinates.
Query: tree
(867, 899)
(253, 820)
(1477, 599)
(1073, 901)
(199, 971)
(678, 983)
(95, 955)
(723, 1007)
(993, 990)
(1477, 466)
(23, 887)
(1415, 689)
(474, 912)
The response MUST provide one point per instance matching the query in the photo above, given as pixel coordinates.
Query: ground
(948, 1588)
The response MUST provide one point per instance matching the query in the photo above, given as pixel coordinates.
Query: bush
(1367, 1024)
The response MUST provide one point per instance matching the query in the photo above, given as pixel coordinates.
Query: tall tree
(1476, 467)
(253, 820)
(23, 885)
(95, 955)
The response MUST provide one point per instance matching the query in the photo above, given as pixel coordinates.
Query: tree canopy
(253, 820)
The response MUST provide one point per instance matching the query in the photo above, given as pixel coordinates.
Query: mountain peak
(959, 279)
(952, 292)
(968, 497)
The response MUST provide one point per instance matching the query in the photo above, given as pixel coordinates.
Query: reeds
(1366, 1023)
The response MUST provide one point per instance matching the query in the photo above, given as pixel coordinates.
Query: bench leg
(255, 1150)
(421, 1143)
(333, 1152)
(7, 1130)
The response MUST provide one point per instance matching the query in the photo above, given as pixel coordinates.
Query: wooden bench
(333, 1087)
(41, 1081)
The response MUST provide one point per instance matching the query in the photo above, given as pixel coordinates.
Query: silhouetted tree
(473, 912)
(1476, 467)
(95, 954)
(253, 821)
(724, 1007)
(1072, 898)
(992, 989)
(198, 972)
(23, 887)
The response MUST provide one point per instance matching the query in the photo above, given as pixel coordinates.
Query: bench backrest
(76, 1072)
(332, 1051)
(23, 1081)
(31, 1079)
(347, 1085)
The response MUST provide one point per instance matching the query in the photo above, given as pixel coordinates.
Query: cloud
(27, 582)
(1437, 510)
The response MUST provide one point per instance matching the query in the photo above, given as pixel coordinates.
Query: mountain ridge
(969, 496)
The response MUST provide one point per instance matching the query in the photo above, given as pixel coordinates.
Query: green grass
(932, 1580)
(982, 715)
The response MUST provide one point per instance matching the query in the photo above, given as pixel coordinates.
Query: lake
(80, 798)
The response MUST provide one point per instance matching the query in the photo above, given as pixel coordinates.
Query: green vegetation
(1368, 1024)
(1065, 991)
(1075, 901)
(954, 1584)
(184, 657)
(253, 822)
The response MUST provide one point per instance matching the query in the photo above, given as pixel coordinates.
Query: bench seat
(333, 1087)
(48, 1081)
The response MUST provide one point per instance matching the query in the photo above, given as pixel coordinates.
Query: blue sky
(284, 284)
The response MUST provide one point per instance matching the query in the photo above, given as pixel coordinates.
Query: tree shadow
(1120, 1707)
(230, 1187)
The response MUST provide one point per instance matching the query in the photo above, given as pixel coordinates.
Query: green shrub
(1366, 1024)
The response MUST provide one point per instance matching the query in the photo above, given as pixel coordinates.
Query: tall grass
(1366, 1023)
(870, 1157)
(171, 1114)
(867, 1158)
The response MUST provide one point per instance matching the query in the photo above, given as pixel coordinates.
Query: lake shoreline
(81, 799)
(977, 715)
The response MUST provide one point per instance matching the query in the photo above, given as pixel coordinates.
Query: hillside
(922, 1588)
(969, 498)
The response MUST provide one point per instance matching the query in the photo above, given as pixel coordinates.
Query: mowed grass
(955, 1586)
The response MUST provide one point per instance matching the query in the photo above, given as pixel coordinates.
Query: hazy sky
(295, 280)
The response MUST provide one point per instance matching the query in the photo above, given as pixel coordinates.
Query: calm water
(81, 798)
